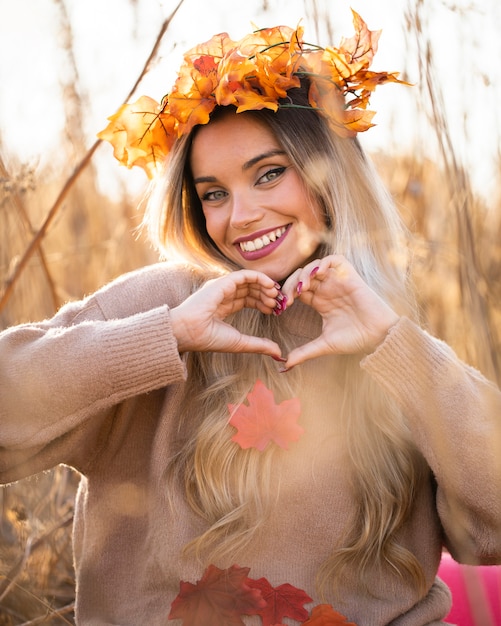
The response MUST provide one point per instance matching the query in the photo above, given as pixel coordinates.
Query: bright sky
(112, 39)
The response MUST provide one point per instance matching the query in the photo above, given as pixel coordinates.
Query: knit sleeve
(454, 415)
(58, 374)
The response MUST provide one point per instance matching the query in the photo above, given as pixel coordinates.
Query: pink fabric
(476, 593)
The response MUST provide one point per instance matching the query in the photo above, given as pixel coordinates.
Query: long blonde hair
(231, 488)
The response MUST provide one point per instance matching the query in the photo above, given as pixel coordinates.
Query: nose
(244, 211)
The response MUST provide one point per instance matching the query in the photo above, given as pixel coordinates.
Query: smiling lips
(261, 246)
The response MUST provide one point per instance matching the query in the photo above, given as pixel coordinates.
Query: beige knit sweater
(98, 387)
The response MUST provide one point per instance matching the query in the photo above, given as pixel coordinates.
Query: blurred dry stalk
(48, 256)
(458, 285)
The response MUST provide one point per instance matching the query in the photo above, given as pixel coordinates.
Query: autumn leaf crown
(251, 74)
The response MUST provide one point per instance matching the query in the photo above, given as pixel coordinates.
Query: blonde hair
(231, 488)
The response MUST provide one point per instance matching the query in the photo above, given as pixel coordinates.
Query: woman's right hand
(198, 322)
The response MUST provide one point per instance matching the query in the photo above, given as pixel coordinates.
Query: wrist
(178, 329)
(386, 328)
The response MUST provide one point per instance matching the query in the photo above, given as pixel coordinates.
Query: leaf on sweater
(325, 615)
(219, 598)
(282, 601)
(262, 420)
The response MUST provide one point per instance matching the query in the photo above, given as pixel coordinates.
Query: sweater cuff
(411, 361)
(143, 355)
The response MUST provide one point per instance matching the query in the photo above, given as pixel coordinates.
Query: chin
(279, 277)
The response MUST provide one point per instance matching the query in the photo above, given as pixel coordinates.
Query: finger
(302, 280)
(265, 295)
(292, 287)
(255, 299)
(264, 306)
(254, 292)
(256, 345)
(310, 350)
(251, 277)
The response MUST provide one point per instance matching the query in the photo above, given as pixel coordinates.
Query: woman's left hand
(355, 318)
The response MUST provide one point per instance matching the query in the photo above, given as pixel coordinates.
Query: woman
(219, 485)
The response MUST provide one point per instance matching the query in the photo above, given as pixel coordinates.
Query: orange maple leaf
(282, 601)
(262, 420)
(362, 46)
(191, 100)
(325, 615)
(217, 599)
(140, 134)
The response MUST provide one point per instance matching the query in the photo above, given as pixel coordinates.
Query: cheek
(214, 226)
(314, 218)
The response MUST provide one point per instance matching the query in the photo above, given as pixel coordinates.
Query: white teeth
(261, 242)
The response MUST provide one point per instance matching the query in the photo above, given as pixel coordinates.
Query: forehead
(230, 139)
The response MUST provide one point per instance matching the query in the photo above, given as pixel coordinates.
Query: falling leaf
(219, 598)
(262, 420)
(325, 615)
(282, 601)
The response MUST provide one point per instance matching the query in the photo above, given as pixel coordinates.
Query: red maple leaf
(262, 420)
(282, 601)
(219, 598)
(205, 64)
(325, 615)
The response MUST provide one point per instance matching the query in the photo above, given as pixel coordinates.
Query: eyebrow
(247, 165)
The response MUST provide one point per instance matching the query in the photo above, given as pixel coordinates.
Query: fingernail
(284, 370)
(280, 359)
(281, 304)
(314, 271)
(299, 288)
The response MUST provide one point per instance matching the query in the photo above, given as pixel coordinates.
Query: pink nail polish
(299, 288)
(314, 271)
(280, 359)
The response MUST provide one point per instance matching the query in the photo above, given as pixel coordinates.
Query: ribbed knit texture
(99, 387)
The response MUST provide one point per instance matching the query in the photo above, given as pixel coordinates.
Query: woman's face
(256, 207)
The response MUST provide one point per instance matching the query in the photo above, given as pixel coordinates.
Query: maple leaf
(325, 615)
(219, 598)
(262, 420)
(140, 134)
(282, 601)
(362, 46)
(205, 64)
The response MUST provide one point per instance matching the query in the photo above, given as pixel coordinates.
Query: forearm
(52, 377)
(454, 415)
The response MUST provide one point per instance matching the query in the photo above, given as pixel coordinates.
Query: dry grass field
(61, 238)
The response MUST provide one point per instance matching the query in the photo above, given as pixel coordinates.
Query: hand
(198, 322)
(354, 318)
